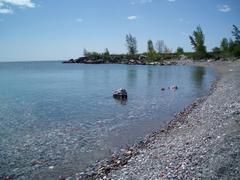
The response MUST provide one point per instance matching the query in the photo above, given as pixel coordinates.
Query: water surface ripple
(59, 118)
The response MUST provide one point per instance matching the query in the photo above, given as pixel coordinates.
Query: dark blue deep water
(56, 119)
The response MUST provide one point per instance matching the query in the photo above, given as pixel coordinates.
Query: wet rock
(120, 94)
(173, 87)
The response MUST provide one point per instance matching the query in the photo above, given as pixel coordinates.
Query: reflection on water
(64, 115)
(150, 76)
(131, 76)
(121, 101)
(198, 76)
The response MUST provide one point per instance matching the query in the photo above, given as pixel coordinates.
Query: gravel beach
(202, 142)
(204, 145)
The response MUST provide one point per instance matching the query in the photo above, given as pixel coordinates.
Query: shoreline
(204, 145)
(102, 169)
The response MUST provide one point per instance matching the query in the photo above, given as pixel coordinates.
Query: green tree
(85, 53)
(224, 47)
(236, 34)
(234, 48)
(152, 55)
(106, 54)
(131, 43)
(150, 46)
(179, 51)
(197, 41)
(216, 52)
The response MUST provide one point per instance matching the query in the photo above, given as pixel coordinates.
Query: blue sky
(60, 29)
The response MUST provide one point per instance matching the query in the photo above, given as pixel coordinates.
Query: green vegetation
(106, 54)
(197, 41)
(131, 43)
(96, 56)
(224, 47)
(179, 51)
(228, 49)
(236, 34)
(150, 47)
(151, 54)
(216, 52)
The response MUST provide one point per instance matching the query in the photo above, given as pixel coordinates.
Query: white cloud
(79, 20)
(21, 3)
(132, 17)
(171, 0)
(5, 5)
(134, 2)
(224, 8)
(6, 10)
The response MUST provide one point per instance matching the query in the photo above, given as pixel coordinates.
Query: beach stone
(207, 144)
(9, 178)
(120, 94)
(51, 167)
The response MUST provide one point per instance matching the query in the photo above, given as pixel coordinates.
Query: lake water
(57, 119)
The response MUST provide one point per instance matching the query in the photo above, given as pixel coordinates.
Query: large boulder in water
(120, 94)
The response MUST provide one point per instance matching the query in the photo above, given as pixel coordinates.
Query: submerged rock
(173, 87)
(120, 94)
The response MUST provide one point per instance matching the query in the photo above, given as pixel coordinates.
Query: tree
(106, 54)
(179, 50)
(85, 53)
(234, 48)
(224, 46)
(216, 51)
(236, 34)
(197, 41)
(131, 44)
(160, 46)
(151, 51)
(150, 46)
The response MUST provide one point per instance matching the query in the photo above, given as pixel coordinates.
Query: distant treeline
(228, 48)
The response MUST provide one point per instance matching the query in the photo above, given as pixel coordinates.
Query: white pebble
(51, 167)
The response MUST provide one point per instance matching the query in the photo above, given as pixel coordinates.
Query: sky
(33, 30)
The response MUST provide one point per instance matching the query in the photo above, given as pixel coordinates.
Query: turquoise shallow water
(64, 116)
